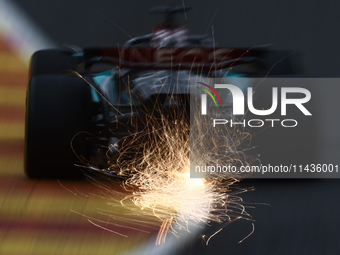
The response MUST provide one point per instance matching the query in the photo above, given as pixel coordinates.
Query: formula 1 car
(79, 103)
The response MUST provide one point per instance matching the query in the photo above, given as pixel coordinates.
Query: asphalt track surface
(302, 216)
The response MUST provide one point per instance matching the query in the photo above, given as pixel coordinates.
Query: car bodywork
(107, 91)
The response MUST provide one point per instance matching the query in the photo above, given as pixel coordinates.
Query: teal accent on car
(98, 79)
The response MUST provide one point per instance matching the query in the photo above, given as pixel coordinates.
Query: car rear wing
(167, 58)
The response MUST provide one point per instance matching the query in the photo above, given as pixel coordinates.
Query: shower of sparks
(155, 168)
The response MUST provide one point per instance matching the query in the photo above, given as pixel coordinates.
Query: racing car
(81, 102)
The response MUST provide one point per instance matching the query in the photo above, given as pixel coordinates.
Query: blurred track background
(36, 216)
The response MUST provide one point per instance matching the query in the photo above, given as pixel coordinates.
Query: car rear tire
(57, 108)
